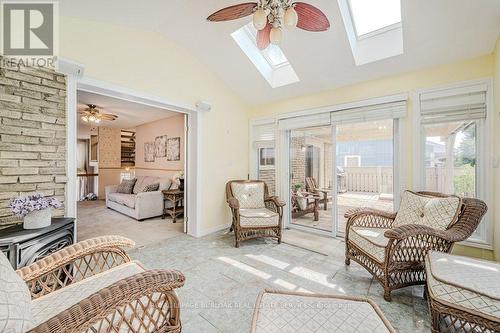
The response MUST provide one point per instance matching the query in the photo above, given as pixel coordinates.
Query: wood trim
(112, 168)
(87, 175)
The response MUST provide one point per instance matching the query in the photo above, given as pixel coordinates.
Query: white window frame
(346, 157)
(265, 166)
(484, 154)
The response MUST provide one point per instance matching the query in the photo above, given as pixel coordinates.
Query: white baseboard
(213, 230)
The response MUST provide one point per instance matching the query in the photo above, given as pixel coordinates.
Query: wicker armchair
(255, 213)
(92, 286)
(395, 255)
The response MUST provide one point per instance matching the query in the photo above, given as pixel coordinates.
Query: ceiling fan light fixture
(260, 19)
(85, 119)
(92, 118)
(291, 17)
(276, 36)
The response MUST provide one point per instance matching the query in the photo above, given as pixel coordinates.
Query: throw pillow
(15, 300)
(301, 200)
(151, 187)
(126, 186)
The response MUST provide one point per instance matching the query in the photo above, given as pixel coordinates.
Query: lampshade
(259, 19)
(291, 17)
(85, 119)
(276, 36)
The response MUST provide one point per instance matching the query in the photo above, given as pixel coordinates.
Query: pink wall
(171, 127)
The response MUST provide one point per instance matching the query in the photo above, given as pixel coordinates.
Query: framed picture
(174, 149)
(161, 146)
(149, 152)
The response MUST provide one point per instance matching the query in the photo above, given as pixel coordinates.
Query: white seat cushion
(280, 312)
(371, 240)
(15, 300)
(464, 282)
(249, 195)
(54, 303)
(123, 199)
(434, 212)
(260, 217)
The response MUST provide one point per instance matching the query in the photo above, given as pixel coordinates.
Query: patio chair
(311, 205)
(91, 286)
(255, 213)
(393, 246)
(312, 187)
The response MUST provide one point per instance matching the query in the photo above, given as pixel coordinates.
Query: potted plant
(36, 210)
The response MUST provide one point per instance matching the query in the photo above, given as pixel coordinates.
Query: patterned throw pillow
(126, 186)
(434, 212)
(15, 300)
(151, 187)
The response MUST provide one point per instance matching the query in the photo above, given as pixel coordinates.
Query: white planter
(38, 219)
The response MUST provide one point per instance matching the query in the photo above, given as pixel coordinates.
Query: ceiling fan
(93, 115)
(270, 16)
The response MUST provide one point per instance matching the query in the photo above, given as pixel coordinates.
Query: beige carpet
(94, 219)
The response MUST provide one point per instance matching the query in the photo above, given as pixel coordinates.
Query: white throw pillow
(15, 300)
(249, 195)
(434, 212)
(301, 200)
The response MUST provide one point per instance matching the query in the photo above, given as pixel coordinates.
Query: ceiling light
(276, 36)
(85, 119)
(291, 17)
(260, 19)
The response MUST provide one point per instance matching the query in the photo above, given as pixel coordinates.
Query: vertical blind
(465, 103)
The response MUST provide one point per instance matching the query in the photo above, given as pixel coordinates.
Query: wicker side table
(176, 198)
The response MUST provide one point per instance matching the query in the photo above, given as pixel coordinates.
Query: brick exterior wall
(298, 161)
(268, 176)
(32, 136)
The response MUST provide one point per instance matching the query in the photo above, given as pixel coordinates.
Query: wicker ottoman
(281, 311)
(463, 293)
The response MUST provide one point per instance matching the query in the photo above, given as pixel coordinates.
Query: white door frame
(75, 80)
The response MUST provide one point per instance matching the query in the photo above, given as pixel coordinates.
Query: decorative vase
(38, 219)
(181, 184)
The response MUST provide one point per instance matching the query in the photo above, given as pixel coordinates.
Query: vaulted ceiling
(435, 32)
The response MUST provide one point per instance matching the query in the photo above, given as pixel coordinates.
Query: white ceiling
(435, 32)
(129, 114)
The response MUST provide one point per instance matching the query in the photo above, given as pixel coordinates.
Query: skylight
(271, 62)
(371, 16)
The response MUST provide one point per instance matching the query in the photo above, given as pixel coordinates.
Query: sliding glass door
(311, 177)
(365, 167)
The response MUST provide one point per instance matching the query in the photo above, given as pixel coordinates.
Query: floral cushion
(371, 240)
(126, 186)
(464, 282)
(249, 195)
(434, 212)
(15, 300)
(259, 217)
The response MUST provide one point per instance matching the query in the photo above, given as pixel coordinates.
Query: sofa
(139, 205)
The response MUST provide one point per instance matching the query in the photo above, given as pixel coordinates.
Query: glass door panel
(310, 178)
(364, 160)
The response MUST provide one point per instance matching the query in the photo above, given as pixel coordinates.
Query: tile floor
(222, 282)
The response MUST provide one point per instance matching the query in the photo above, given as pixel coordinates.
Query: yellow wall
(150, 63)
(471, 69)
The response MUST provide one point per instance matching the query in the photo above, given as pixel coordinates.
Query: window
(373, 16)
(352, 161)
(454, 146)
(271, 62)
(266, 158)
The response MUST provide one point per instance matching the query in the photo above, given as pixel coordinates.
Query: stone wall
(32, 136)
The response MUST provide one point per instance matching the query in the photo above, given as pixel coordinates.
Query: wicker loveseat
(91, 286)
(255, 213)
(393, 246)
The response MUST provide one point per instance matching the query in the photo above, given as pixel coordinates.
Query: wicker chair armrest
(412, 230)
(233, 203)
(118, 299)
(276, 200)
(75, 263)
(368, 217)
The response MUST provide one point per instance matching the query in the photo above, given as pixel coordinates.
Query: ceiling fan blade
(264, 37)
(311, 18)
(233, 12)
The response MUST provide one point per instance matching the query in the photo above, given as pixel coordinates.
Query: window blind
(264, 133)
(391, 110)
(313, 120)
(465, 103)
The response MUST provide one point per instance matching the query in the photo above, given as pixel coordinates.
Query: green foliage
(464, 182)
